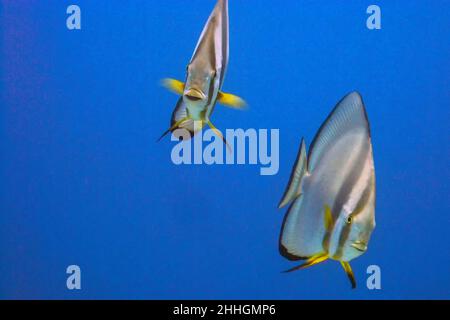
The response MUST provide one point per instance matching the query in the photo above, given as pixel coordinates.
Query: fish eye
(349, 219)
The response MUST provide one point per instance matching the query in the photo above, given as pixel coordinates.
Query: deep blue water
(84, 182)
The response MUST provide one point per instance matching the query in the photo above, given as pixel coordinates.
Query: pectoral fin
(230, 100)
(349, 272)
(173, 85)
(318, 258)
(328, 218)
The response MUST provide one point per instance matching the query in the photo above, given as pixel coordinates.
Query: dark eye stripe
(362, 203)
(341, 198)
(365, 197)
(344, 195)
(211, 91)
(213, 78)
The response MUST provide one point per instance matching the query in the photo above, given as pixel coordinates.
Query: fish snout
(194, 95)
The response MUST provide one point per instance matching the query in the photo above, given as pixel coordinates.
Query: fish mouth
(194, 94)
(359, 245)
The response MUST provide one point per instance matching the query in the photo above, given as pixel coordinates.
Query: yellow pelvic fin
(230, 100)
(318, 258)
(175, 125)
(349, 272)
(173, 85)
(219, 134)
(328, 218)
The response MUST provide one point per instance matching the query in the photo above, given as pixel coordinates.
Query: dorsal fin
(293, 189)
(348, 114)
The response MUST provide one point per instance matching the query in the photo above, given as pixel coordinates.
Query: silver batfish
(332, 191)
(205, 76)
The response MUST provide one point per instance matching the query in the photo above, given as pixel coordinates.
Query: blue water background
(84, 182)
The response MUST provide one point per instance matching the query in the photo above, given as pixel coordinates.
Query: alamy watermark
(73, 21)
(373, 22)
(73, 281)
(374, 279)
(250, 146)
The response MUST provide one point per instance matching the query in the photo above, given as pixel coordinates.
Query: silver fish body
(337, 177)
(206, 70)
(205, 75)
